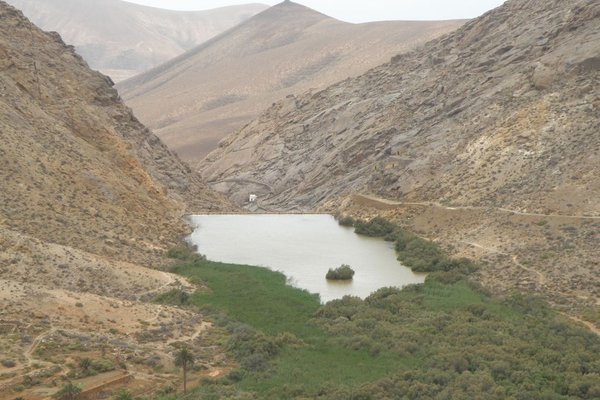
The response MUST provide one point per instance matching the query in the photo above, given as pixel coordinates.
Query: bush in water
(343, 273)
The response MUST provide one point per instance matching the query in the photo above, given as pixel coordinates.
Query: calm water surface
(303, 247)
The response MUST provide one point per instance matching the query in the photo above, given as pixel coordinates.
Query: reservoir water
(303, 247)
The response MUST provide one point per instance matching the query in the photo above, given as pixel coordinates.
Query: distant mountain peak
(286, 49)
(290, 8)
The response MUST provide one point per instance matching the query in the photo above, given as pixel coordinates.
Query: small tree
(70, 391)
(344, 273)
(184, 359)
(85, 364)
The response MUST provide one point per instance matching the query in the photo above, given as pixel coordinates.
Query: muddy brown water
(303, 247)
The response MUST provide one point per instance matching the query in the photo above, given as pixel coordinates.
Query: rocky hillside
(89, 199)
(197, 99)
(504, 112)
(77, 168)
(486, 140)
(123, 39)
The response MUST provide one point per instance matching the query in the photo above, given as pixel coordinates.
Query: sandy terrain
(46, 332)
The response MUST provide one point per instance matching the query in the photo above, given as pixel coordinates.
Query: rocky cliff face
(77, 168)
(504, 112)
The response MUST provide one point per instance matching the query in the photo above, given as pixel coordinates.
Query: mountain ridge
(272, 12)
(440, 103)
(138, 37)
(192, 102)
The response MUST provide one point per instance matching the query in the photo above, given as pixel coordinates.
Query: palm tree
(85, 364)
(69, 391)
(184, 359)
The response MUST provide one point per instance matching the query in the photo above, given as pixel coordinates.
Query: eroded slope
(192, 102)
(503, 112)
(77, 167)
(89, 198)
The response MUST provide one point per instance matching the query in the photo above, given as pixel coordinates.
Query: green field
(431, 341)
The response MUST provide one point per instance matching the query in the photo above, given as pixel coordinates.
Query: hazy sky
(357, 10)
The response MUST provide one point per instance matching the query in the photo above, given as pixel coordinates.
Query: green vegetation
(69, 391)
(274, 336)
(85, 364)
(89, 367)
(178, 297)
(184, 253)
(346, 221)
(103, 365)
(342, 273)
(184, 359)
(432, 341)
(467, 345)
(376, 227)
(252, 295)
(419, 254)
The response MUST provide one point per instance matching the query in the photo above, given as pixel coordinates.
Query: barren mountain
(88, 199)
(74, 156)
(123, 39)
(211, 91)
(503, 115)
(502, 112)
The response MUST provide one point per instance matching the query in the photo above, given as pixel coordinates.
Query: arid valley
(468, 148)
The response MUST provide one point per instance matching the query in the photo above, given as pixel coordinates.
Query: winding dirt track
(541, 278)
(386, 202)
(587, 324)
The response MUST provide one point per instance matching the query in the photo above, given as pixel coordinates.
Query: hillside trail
(587, 324)
(30, 360)
(170, 280)
(28, 354)
(386, 202)
(541, 278)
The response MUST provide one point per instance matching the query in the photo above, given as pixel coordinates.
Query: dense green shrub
(419, 254)
(345, 221)
(103, 365)
(177, 297)
(341, 273)
(376, 227)
(517, 348)
(185, 253)
(444, 339)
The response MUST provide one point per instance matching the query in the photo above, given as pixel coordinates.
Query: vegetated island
(342, 273)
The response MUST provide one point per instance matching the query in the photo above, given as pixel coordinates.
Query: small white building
(252, 198)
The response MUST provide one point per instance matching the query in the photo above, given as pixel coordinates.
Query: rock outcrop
(504, 112)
